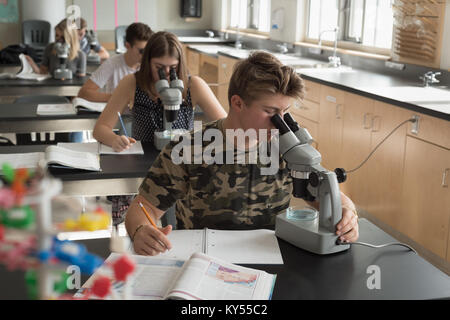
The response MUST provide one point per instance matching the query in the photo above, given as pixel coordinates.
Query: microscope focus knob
(314, 179)
(341, 174)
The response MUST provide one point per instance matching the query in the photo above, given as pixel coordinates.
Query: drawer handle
(339, 111)
(444, 178)
(365, 126)
(373, 124)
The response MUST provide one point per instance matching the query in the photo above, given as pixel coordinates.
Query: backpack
(10, 54)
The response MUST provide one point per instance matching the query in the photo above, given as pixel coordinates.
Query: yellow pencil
(147, 215)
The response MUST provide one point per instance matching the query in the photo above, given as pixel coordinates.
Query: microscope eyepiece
(173, 74)
(290, 121)
(162, 74)
(279, 123)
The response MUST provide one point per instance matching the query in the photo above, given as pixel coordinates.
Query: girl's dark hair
(159, 45)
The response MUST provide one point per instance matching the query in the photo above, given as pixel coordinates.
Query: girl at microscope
(76, 61)
(137, 92)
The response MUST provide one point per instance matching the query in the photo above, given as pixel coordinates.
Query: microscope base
(161, 138)
(307, 235)
(63, 74)
(93, 58)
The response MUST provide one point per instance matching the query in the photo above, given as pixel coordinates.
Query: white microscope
(171, 97)
(62, 72)
(309, 229)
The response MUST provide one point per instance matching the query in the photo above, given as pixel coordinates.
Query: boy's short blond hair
(262, 73)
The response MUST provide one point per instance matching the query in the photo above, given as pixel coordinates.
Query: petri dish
(301, 213)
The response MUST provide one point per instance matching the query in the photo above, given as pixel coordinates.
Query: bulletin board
(9, 12)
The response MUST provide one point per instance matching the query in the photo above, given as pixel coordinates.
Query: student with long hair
(76, 61)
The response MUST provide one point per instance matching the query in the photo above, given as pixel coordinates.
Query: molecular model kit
(29, 242)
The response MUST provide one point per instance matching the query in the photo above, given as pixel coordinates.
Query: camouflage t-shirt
(218, 196)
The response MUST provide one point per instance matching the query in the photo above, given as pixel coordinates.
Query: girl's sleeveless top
(148, 115)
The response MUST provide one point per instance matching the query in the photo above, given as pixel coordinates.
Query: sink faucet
(282, 48)
(210, 33)
(430, 78)
(334, 60)
(238, 43)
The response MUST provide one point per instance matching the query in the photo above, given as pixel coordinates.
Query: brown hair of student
(262, 73)
(137, 32)
(159, 45)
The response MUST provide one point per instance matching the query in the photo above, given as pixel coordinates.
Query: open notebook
(55, 156)
(200, 277)
(236, 246)
(26, 72)
(78, 104)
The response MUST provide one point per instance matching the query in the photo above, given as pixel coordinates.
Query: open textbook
(55, 156)
(26, 72)
(236, 246)
(78, 104)
(100, 148)
(201, 277)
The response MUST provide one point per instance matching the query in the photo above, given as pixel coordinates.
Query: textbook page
(73, 159)
(207, 278)
(151, 279)
(244, 246)
(55, 109)
(22, 160)
(88, 105)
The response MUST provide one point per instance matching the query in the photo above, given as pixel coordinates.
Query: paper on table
(98, 148)
(244, 246)
(22, 160)
(55, 109)
(26, 72)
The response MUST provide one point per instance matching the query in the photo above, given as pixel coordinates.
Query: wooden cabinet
(384, 169)
(356, 145)
(425, 199)
(330, 126)
(225, 70)
(193, 62)
(208, 71)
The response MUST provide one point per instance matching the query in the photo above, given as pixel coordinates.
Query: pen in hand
(122, 124)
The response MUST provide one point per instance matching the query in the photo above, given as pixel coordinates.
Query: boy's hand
(150, 241)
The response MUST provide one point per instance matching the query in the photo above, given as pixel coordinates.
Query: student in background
(105, 79)
(231, 195)
(50, 61)
(84, 42)
(137, 91)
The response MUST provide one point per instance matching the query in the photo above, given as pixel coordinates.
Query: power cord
(413, 120)
(339, 242)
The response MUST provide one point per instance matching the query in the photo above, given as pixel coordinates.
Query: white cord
(381, 245)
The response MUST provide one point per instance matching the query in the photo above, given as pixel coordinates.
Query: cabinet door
(330, 126)
(385, 167)
(356, 145)
(208, 71)
(309, 125)
(426, 197)
(193, 62)
(224, 74)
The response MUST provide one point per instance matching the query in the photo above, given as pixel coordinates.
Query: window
(365, 22)
(250, 14)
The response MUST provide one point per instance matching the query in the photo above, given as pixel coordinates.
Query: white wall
(445, 51)
(51, 10)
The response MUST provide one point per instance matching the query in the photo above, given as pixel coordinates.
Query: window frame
(247, 30)
(344, 41)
